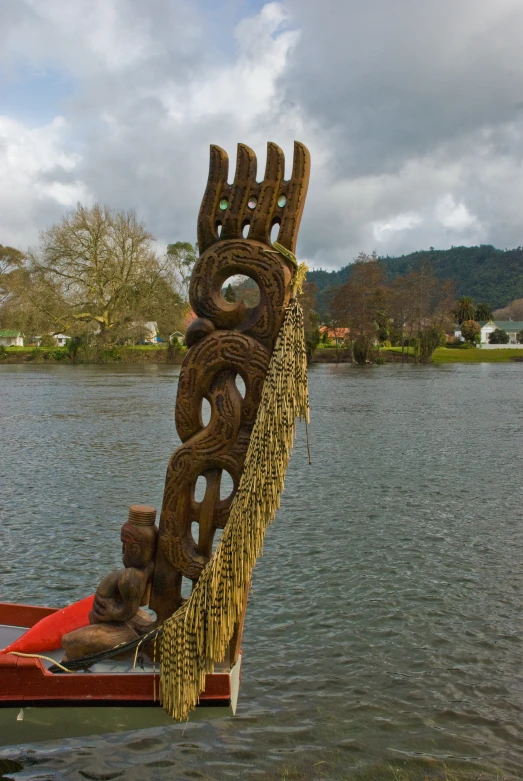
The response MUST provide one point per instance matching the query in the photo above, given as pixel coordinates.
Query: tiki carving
(116, 616)
(225, 341)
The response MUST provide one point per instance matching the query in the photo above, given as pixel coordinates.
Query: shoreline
(139, 354)
(441, 355)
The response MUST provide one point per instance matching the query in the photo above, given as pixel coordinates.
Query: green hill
(484, 273)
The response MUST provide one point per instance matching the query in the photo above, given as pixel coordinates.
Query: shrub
(3, 352)
(112, 354)
(470, 330)
(428, 341)
(499, 336)
(59, 354)
(73, 346)
(175, 351)
(363, 349)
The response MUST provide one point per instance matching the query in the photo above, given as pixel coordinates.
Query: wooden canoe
(36, 704)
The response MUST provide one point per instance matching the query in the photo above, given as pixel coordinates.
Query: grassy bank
(453, 355)
(87, 355)
(162, 354)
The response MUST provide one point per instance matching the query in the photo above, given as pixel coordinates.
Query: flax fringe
(198, 634)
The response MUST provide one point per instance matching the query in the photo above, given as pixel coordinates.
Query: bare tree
(11, 261)
(311, 319)
(99, 266)
(359, 303)
(513, 311)
(430, 310)
(182, 256)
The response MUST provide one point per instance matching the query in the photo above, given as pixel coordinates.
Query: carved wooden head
(139, 536)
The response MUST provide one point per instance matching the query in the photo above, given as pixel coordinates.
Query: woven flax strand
(198, 634)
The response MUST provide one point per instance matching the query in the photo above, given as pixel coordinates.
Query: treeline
(95, 275)
(414, 310)
(483, 273)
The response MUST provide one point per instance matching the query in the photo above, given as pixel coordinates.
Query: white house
(60, 339)
(11, 338)
(512, 328)
(176, 336)
(147, 333)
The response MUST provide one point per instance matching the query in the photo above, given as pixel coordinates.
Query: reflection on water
(384, 628)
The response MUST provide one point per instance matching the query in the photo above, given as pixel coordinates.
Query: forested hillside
(484, 273)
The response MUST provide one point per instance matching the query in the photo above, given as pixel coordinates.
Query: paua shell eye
(282, 200)
(223, 204)
(251, 203)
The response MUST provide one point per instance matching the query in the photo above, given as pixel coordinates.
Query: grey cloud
(412, 111)
(397, 78)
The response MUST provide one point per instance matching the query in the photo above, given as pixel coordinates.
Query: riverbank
(136, 354)
(163, 354)
(441, 355)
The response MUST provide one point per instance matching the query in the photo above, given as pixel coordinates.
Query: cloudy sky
(412, 110)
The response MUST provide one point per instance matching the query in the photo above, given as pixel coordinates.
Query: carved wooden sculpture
(226, 340)
(116, 617)
(248, 436)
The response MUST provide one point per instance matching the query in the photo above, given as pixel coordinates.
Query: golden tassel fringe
(198, 634)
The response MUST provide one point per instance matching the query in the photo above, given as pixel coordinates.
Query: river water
(384, 629)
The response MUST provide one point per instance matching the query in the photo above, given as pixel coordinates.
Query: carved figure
(116, 616)
(226, 340)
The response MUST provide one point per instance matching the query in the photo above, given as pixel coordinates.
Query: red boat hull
(26, 682)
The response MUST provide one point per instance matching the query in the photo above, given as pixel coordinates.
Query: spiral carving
(226, 340)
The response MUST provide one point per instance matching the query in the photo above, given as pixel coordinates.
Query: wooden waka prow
(226, 341)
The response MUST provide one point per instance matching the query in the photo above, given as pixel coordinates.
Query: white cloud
(401, 222)
(37, 176)
(454, 215)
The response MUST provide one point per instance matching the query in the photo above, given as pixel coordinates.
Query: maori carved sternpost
(225, 341)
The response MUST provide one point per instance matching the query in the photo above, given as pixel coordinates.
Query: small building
(11, 338)
(176, 336)
(146, 333)
(511, 327)
(337, 335)
(59, 339)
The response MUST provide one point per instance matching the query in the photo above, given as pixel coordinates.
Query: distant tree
(229, 294)
(465, 309)
(470, 330)
(514, 311)
(483, 312)
(11, 261)
(245, 289)
(399, 307)
(429, 310)
(520, 337)
(499, 336)
(47, 340)
(483, 273)
(358, 303)
(97, 271)
(183, 256)
(311, 319)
